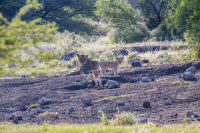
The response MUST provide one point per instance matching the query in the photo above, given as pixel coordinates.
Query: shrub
(103, 118)
(107, 56)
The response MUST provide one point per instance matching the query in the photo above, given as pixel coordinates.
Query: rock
(22, 107)
(51, 110)
(191, 114)
(153, 79)
(139, 79)
(145, 61)
(78, 80)
(133, 80)
(19, 117)
(114, 94)
(69, 66)
(11, 117)
(146, 104)
(12, 66)
(161, 55)
(65, 97)
(176, 115)
(133, 60)
(142, 120)
(111, 86)
(15, 121)
(188, 75)
(75, 44)
(43, 101)
(39, 110)
(145, 79)
(111, 83)
(180, 76)
(87, 102)
(168, 102)
(191, 69)
(32, 116)
(120, 52)
(136, 63)
(70, 109)
(76, 117)
(68, 56)
(56, 116)
(120, 103)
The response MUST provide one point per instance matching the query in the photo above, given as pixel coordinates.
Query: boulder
(68, 56)
(191, 69)
(188, 75)
(121, 52)
(120, 103)
(136, 63)
(22, 107)
(145, 79)
(111, 84)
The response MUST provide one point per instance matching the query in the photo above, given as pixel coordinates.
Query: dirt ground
(185, 96)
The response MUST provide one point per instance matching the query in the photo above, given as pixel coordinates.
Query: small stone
(69, 66)
(59, 101)
(92, 107)
(168, 102)
(11, 117)
(51, 110)
(133, 80)
(87, 102)
(15, 121)
(65, 97)
(76, 116)
(114, 94)
(142, 120)
(180, 76)
(145, 79)
(153, 79)
(139, 79)
(176, 115)
(146, 104)
(78, 80)
(196, 115)
(19, 117)
(70, 109)
(39, 110)
(145, 61)
(32, 116)
(43, 101)
(136, 63)
(120, 103)
(22, 107)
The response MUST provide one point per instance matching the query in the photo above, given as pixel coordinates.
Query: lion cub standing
(104, 65)
(96, 76)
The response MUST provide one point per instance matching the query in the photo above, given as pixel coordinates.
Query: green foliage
(17, 35)
(187, 15)
(103, 118)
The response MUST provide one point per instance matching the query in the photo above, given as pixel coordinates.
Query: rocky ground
(21, 98)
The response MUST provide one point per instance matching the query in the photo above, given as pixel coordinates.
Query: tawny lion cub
(96, 76)
(104, 65)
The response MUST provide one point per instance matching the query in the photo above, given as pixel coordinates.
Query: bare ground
(185, 97)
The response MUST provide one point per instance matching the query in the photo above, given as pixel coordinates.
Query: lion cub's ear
(77, 55)
(86, 56)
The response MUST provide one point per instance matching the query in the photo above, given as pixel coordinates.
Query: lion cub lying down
(104, 65)
(96, 76)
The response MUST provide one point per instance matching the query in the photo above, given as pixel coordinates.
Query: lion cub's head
(96, 73)
(120, 59)
(82, 59)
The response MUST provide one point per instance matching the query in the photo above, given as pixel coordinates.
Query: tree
(186, 13)
(17, 34)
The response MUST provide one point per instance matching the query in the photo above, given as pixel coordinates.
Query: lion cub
(96, 76)
(104, 65)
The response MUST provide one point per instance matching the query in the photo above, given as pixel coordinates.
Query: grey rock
(70, 109)
(136, 63)
(139, 79)
(15, 121)
(191, 114)
(142, 120)
(43, 101)
(133, 80)
(76, 117)
(168, 102)
(114, 94)
(39, 110)
(11, 117)
(153, 79)
(87, 102)
(111, 86)
(120, 52)
(12, 66)
(161, 55)
(65, 97)
(78, 80)
(22, 107)
(51, 110)
(32, 116)
(19, 117)
(69, 66)
(145, 61)
(191, 69)
(68, 56)
(188, 75)
(120, 103)
(146, 104)
(145, 79)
